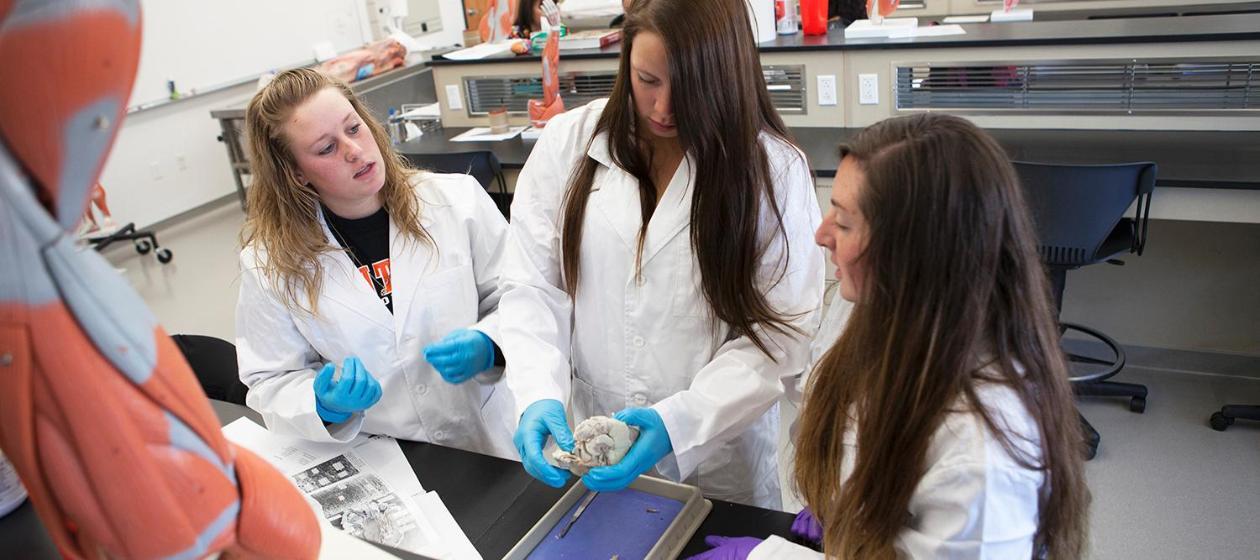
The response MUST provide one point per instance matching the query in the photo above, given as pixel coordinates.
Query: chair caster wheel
(1219, 421)
(164, 255)
(1137, 404)
(143, 246)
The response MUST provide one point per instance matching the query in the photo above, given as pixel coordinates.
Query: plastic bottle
(785, 13)
(393, 124)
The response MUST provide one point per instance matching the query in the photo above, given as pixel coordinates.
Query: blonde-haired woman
(352, 259)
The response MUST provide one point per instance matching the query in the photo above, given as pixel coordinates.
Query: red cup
(814, 17)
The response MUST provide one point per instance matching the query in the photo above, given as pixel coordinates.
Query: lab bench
(494, 501)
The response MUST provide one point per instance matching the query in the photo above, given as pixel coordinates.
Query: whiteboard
(207, 44)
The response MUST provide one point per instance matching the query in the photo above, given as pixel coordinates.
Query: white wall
(167, 160)
(452, 32)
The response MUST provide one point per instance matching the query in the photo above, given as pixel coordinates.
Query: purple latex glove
(807, 527)
(727, 548)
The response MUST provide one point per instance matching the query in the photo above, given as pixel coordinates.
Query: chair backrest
(213, 361)
(482, 165)
(1076, 207)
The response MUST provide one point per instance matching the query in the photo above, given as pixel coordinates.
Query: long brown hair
(721, 108)
(283, 212)
(951, 274)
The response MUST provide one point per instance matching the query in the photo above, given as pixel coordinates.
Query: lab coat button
(640, 399)
(439, 435)
(639, 342)
(422, 389)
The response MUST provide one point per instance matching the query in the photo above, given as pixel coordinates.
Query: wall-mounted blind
(1131, 86)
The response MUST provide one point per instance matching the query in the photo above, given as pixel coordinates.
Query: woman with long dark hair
(660, 265)
(941, 423)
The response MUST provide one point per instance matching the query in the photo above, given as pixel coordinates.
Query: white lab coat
(649, 341)
(974, 500)
(450, 283)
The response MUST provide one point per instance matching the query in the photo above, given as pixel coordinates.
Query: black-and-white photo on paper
(356, 500)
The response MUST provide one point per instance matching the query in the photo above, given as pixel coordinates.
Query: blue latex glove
(652, 446)
(461, 355)
(807, 527)
(355, 391)
(727, 548)
(541, 419)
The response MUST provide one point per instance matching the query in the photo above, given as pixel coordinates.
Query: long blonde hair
(952, 272)
(282, 219)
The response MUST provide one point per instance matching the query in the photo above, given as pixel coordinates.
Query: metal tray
(695, 509)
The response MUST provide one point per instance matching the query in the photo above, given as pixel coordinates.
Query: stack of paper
(365, 488)
(1002, 16)
(483, 134)
(932, 31)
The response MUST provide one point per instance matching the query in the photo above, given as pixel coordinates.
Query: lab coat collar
(673, 212)
(598, 149)
(620, 206)
(407, 266)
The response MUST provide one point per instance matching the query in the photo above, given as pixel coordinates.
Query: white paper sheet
(431, 110)
(365, 487)
(501, 49)
(482, 134)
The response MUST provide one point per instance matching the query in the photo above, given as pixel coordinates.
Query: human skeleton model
(100, 415)
(598, 441)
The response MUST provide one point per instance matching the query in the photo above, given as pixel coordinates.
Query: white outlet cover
(826, 90)
(868, 89)
(454, 99)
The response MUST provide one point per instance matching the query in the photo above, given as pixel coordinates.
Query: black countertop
(1225, 27)
(494, 501)
(1188, 159)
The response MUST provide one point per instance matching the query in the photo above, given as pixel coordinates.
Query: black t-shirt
(367, 240)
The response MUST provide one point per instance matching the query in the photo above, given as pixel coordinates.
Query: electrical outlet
(156, 170)
(868, 89)
(827, 90)
(454, 99)
(181, 162)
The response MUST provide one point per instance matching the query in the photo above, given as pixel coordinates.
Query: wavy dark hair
(721, 109)
(952, 275)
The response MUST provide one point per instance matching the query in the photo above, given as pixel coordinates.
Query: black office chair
(213, 361)
(1080, 215)
(483, 165)
(1225, 417)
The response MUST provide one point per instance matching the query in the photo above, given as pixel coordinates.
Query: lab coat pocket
(444, 301)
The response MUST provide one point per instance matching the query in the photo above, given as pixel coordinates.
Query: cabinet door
(473, 12)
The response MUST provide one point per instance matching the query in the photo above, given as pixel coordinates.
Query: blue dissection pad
(626, 524)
